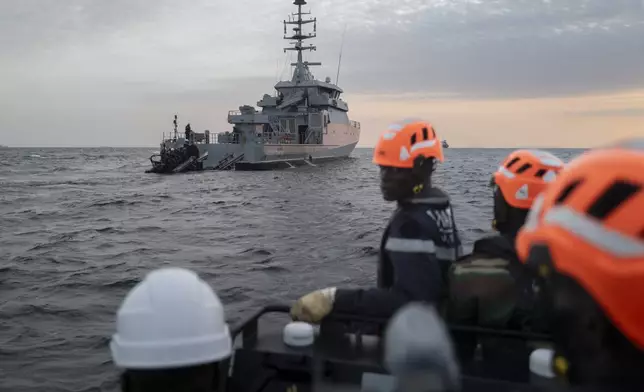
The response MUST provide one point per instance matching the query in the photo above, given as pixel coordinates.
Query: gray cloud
(475, 48)
(102, 65)
(513, 48)
(491, 49)
(28, 26)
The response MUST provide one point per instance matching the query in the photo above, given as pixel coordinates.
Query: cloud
(487, 48)
(29, 27)
(629, 112)
(91, 67)
(512, 48)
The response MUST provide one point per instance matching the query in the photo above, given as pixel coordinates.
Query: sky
(485, 73)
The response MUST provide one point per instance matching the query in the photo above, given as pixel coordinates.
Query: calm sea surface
(80, 227)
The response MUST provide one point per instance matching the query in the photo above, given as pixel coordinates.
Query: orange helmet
(591, 219)
(402, 143)
(524, 174)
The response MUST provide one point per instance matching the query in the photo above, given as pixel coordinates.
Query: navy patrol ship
(306, 121)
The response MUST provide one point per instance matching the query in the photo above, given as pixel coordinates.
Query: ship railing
(205, 137)
(233, 113)
(354, 124)
(312, 138)
(208, 138)
(234, 138)
(224, 138)
(169, 136)
(276, 138)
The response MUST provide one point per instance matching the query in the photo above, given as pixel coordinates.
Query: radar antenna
(299, 36)
(337, 76)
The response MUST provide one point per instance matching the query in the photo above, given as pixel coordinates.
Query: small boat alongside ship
(444, 143)
(306, 121)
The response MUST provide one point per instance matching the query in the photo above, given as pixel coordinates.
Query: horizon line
(357, 147)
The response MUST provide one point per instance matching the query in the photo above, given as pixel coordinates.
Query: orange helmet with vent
(591, 221)
(402, 143)
(524, 174)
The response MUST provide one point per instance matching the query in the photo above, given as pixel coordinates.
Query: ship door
(301, 132)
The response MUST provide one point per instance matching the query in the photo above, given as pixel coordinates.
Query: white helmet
(418, 349)
(170, 319)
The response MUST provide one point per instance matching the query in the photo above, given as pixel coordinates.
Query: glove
(313, 307)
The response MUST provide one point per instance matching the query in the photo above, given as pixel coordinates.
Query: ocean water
(80, 227)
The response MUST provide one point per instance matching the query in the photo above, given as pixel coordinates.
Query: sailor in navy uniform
(420, 242)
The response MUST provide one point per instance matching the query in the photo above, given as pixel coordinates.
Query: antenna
(337, 76)
(277, 72)
(298, 36)
(175, 126)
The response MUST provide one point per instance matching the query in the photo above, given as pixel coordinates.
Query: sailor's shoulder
(433, 198)
(407, 223)
(438, 192)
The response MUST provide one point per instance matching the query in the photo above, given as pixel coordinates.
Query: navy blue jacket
(416, 252)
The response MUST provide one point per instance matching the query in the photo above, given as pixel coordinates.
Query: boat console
(273, 354)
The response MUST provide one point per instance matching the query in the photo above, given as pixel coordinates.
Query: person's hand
(313, 307)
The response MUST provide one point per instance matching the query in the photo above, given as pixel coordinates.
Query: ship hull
(297, 155)
(274, 156)
(339, 142)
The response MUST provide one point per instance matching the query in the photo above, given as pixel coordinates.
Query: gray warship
(303, 123)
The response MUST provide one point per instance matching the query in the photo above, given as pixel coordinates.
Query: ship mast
(301, 67)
